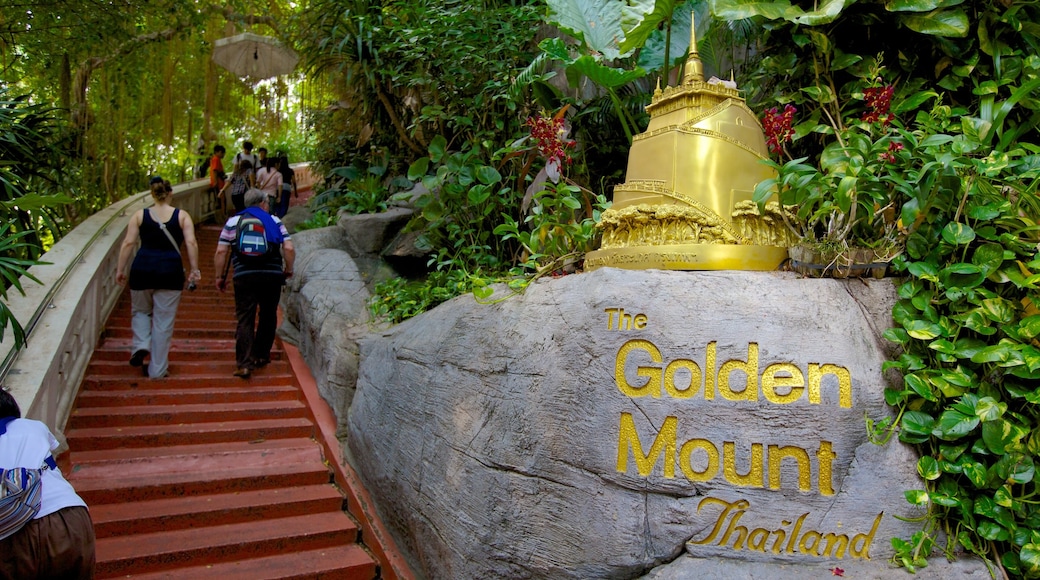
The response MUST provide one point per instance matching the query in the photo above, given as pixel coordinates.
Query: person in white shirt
(246, 154)
(59, 542)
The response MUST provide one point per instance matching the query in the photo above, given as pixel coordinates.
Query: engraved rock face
(605, 424)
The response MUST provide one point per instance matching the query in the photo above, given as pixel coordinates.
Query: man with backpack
(262, 254)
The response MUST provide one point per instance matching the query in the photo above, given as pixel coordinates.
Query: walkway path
(205, 475)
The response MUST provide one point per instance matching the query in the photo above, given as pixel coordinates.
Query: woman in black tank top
(157, 275)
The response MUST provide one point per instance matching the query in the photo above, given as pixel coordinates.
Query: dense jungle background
(506, 125)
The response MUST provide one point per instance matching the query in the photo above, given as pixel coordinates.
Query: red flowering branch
(549, 133)
(879, 100)
(778, 128)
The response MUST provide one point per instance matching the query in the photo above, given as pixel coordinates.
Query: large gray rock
(369, 233)
(604, 424)
(325, 307)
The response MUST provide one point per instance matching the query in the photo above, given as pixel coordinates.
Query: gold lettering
(727, 532)
(831, 538)
(816, 374)
(709, 372)
(781, 535)
(610, 317)
(794, 532)
(639, 322)
(803, 545)
(742, 532)
(712, 452)
(776, 457)
(750, 370)
(865, 540)
(739, 505)
(653, 375)
(628, 438)
(757, 539)
(669, 379)
(754, 476)
(793, 381)
(824, 457)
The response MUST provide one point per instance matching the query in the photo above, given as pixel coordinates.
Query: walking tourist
(57, 542)
(157, 275)
(240, 182)
(269, 179)
(262, 255)
(217, 177)
(246, 154)
(288, 186)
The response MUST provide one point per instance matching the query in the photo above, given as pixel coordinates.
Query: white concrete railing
(64, 317)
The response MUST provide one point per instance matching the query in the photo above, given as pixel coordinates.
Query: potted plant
(846, 206)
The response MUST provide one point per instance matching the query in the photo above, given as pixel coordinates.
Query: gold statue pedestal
(689, 257)
(687, 200)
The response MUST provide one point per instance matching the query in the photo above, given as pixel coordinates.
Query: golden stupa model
(687, 201)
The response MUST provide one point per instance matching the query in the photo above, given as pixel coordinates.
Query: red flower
(548, 133)
(778, 127)
(889, 155)
(879, 100)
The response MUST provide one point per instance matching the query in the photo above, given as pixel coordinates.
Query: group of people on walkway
(260, 249)
(271, 174)
(49, 532)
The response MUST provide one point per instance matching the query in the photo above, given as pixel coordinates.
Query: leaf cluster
(968, 324)
(963, 205)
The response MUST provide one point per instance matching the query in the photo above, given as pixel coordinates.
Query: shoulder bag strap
(169, 236)
(270, 177)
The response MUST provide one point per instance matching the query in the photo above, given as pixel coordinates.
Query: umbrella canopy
(254, 56)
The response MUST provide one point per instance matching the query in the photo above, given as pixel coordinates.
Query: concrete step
(180, 413)
(349, 562)
(229, 393)
(220, 367)
(260, 377)
(169, 514)
(143, 480)
(169, 454)
(181, 434)
(119, 349)
(224, 332)
(142, 553)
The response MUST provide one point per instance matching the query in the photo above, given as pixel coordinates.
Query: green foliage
(961, 197)
(320, 219)
(416, 70)
(555, 231)
(457, 216)
(353, 192)
(868, 187)
(967, 324)
(399, 299)
(30, 181)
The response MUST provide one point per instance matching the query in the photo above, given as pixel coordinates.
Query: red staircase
(203, 474)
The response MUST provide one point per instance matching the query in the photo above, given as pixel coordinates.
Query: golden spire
(694, 69)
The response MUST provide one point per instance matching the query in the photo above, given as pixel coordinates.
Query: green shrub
(320, 219)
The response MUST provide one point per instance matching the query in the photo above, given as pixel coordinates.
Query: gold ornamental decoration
(686, 203)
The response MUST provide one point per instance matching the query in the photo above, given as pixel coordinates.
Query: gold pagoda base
(689, 257)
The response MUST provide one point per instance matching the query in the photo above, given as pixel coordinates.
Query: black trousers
(256, 308)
